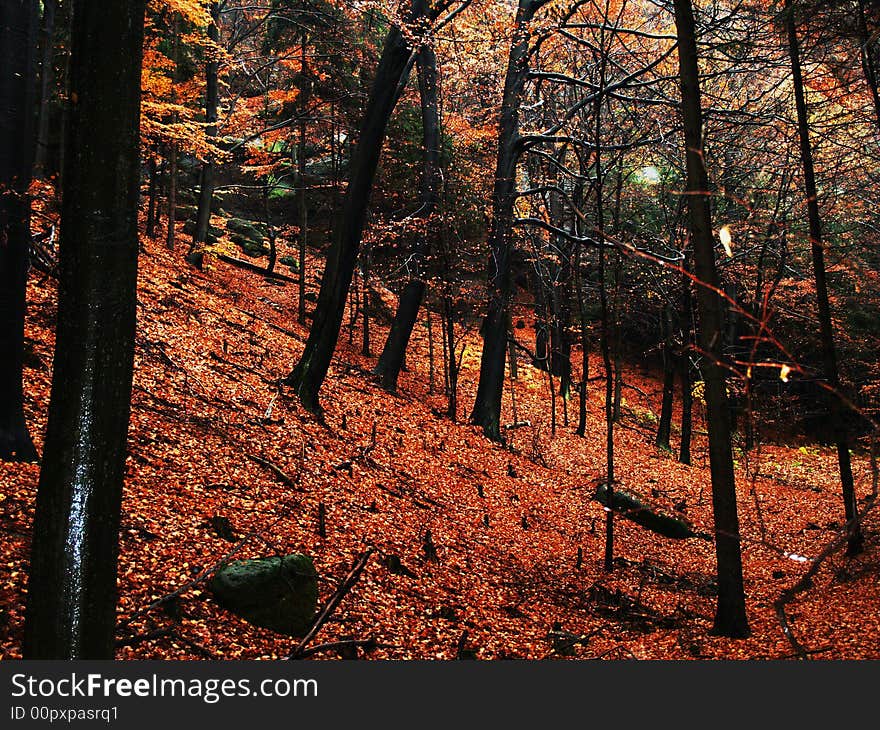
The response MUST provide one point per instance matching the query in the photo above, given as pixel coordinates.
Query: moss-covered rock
(290, 262)
(254, 232)
(278, 593)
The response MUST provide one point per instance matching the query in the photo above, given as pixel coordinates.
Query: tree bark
(730, 616)
(393, 353)
(47, 48)
(486, 412)
(826, 328)
(71, 603)
(206, 178)
(394, 64)
(18, 29)
(664, 426)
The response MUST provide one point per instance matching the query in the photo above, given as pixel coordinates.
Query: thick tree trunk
(71, 602)
(730, 617)
(206, 178)
(487, 406)
(47, 54)
(18, 29)
(310, 371)
(393, 353)
(826, 329)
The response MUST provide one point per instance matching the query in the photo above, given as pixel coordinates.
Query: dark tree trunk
(730, 617)
(302, 199)
(171, 230)
(393, 353)
(47, 54)
(826, 330)
(606, 333)
(206, 178)
(71, 603)
(869, 65)
(310, 371)
(487, 406)
(151, 196)
(18, 30)
(664, 427)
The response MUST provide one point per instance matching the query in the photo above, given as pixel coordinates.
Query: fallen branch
(258, 269)
(200, 578)
(806, 580)
(282, 477)
(344, 587)
(365, 644)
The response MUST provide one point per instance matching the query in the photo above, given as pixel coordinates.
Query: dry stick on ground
(282, 477)
(334, 601)
(365, 644)
(806, 580)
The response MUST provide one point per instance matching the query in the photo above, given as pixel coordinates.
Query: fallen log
(253, 267)
(632, 508)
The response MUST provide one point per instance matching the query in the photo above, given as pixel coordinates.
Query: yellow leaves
(726, 240)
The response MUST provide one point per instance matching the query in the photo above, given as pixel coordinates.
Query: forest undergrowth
(480, 551)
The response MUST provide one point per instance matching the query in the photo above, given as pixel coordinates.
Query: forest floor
(507, 523)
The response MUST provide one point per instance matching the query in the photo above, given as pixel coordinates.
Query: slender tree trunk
(365, 299)
(171, 221)
(605, 317)
(687, 402)
(270, 230)
(869, 65)
(730, 617)
(71, 601)
(18, 30)
(826, 329)
(394, 64)
(302, 199)
(151, 196)
(487, 406)
(394, 351)
(206, 178)
(664, 427)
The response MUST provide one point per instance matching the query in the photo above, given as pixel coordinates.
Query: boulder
(290, 262)
(256, 232)
(278, 593)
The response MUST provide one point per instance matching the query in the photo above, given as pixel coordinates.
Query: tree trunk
(826, 330)
(302, 199)
(206, 179)
(664, 427)
(730, 616)
(487, 406)
(18, 29)
(171, 232)
(393, 353)
(310, 371)
(47, 54)
(151, 196)
(71, 603)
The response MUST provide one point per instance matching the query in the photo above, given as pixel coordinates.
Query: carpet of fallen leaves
(507, 523)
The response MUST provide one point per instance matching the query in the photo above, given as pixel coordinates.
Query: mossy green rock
(255, 232)
(290, 262)
(278, 593)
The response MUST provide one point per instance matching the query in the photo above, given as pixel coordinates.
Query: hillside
(211, 437)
